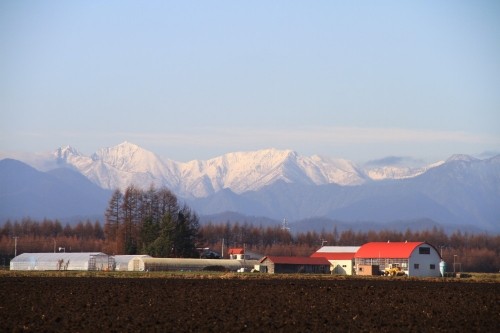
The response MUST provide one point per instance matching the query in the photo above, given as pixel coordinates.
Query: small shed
(275, 264)
(126, 262)
(241, 253)
(413, 258)
(341, 258)
(82, 261)
(368, 270)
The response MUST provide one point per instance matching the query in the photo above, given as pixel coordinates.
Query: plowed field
(71, 304)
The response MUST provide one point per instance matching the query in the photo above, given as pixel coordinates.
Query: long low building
(182, 264)
(277, 264)
(98, 261)
(83, 261)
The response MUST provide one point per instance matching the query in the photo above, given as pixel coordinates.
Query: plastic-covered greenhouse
(126, 262)
(176, 264)
(85, 261)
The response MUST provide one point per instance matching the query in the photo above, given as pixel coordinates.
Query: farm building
(341, 258)
(93, 261)
(126, 262)
(412, 258)
(241, 253)
(182, 264)
(272, 264)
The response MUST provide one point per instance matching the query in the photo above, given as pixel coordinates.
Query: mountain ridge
(278, 184)
(25, 191)
(127, 163)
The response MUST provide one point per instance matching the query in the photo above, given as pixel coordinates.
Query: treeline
(150, 222)
(136, 222)
(467, 251)
(47, 235)
(167, 229)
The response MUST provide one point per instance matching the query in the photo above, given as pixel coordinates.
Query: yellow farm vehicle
(394, 270)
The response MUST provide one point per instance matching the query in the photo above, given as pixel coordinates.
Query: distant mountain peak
(122, 151)
(461, 157)
(133, 159)
(62, 153)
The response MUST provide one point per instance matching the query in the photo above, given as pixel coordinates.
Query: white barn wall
(337, 267)
(424, 262)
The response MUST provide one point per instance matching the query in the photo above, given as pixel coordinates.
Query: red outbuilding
(275, 264)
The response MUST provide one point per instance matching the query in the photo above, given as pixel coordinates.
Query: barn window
(433, 266)
(416, 266)
(424, 250)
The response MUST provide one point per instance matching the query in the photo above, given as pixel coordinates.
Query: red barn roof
(387, 249)
(296, 260)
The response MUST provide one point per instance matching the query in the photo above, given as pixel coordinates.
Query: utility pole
(15, 245)
(222, 249)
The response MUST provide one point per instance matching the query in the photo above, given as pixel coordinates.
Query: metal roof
(336, 252)
(333, 256)
(387, 249)
(236, 250)
(296, 260)
(339, 249)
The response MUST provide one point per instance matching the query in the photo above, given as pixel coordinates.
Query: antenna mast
(285, 226)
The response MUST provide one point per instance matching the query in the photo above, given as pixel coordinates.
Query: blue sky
(195, 79)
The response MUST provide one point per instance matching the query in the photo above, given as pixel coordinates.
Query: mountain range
(269, 183)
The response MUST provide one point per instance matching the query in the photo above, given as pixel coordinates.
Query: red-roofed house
(274, 264)
(341, 258)
(236, 253)
(414, 258)
(239, 253)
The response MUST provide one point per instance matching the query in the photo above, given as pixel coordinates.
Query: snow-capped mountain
(463, 192)
(128, 164)
(277, 183)
(398, 172)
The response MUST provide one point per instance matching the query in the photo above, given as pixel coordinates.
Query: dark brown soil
(68, 304)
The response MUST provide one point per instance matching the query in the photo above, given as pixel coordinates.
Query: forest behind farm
(470, 252)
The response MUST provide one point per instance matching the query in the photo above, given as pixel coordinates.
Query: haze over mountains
(270, 183)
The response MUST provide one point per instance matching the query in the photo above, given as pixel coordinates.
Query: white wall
(424, 262)
(338, 267)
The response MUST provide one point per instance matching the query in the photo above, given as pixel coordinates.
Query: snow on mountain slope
(118, 167)
(250, 171)
(399, 172)
(324, 170)
(241, 171)
(128, 164)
